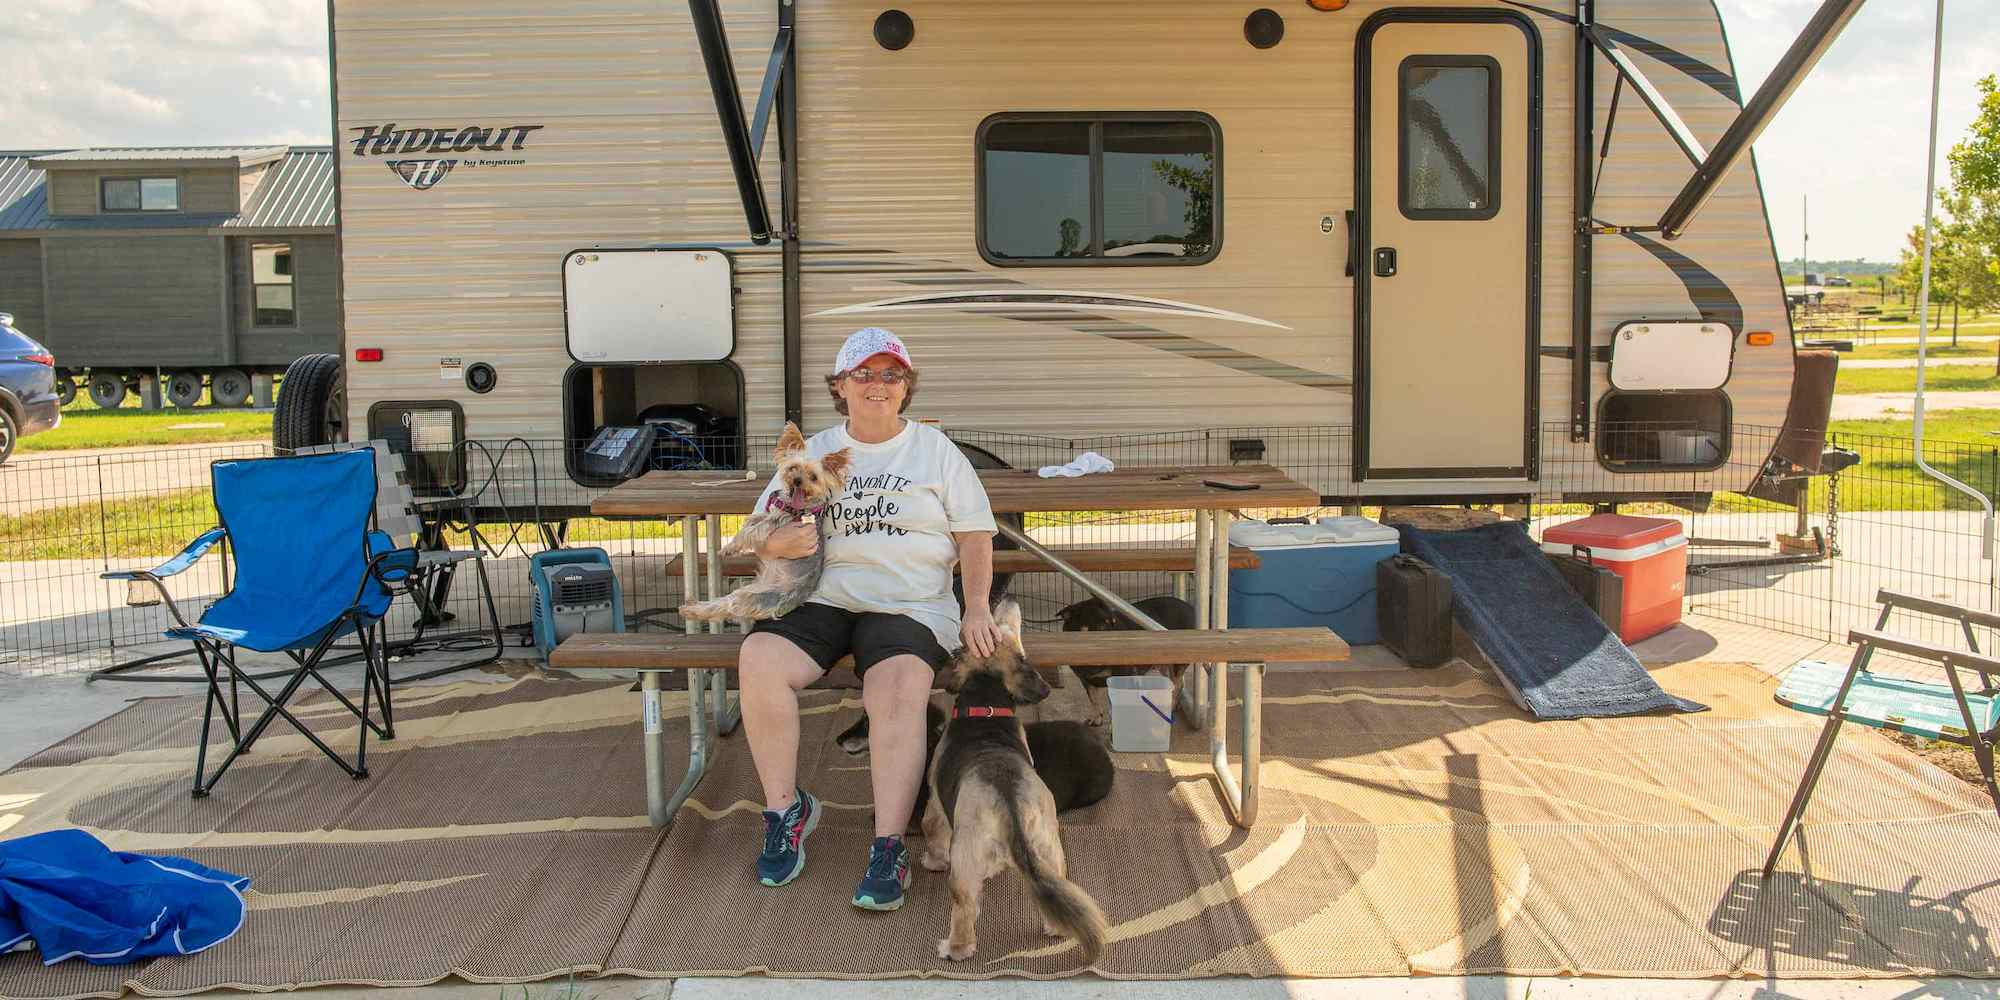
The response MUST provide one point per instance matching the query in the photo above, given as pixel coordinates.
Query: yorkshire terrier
(781, 584)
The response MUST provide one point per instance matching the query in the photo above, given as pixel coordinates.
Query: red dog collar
(981, 712)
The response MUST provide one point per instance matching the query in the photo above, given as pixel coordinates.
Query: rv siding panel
(21, 285)
(629, 154)
(313, 273)
(128, 301)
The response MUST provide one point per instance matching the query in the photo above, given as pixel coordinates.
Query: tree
(1199, 186)
(1965, 237)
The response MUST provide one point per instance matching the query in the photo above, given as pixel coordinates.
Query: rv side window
(1099, 188)
(1449, 154)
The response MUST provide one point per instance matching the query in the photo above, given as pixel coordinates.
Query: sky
(216, 72)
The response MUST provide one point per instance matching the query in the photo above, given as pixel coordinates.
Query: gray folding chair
(396, 514)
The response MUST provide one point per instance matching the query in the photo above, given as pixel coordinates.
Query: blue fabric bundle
(75, 898)
(1556, 658)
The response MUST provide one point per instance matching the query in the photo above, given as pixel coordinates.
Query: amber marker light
(1327, 5)
(1760, 338)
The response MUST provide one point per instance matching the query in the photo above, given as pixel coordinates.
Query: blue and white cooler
(1311, 574)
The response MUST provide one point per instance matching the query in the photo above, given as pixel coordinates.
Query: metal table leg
(725, 711)
(1194, 685)
(700, 742)
(1239, 789)
(654, 736)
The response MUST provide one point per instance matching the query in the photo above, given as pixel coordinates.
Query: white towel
(1083, 465)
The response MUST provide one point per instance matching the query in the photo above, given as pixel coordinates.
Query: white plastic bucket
(1142, 713)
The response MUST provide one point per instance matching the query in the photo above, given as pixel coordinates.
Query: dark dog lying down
(1094, 615)
(1068, 756)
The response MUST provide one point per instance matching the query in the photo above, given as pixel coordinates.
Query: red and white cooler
(1649, 553)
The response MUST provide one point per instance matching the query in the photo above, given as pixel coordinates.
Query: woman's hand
(793, 541)
(977, 629)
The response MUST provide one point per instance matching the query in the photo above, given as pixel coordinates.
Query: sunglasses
(887, 376)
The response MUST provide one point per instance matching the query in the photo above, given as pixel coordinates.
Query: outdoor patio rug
(1413, 822)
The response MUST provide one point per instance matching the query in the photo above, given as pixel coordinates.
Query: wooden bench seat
(708, 657)
(678, 651)
(1087, 560)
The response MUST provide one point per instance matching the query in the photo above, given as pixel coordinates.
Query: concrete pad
(554, 989)
(1759, 989)
(1428, 988)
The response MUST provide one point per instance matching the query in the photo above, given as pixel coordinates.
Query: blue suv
(28, 403)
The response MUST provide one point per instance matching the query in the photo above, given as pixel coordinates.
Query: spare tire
(983, 459)
(312, 404)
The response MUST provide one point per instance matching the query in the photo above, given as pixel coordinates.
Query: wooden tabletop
(1010, 491)
(674, 651)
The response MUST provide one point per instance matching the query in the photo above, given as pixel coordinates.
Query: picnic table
(698, 500)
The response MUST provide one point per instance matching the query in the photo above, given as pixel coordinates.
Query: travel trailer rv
(1455, 247)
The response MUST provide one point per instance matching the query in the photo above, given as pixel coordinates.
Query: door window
(1449, 150)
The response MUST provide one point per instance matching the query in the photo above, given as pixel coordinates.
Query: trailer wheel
(107, 390)
(184, 389)
(65, 388)
(983, 459)
(312, 408)
(229, 387)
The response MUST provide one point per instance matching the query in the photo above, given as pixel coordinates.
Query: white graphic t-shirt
(889, 545)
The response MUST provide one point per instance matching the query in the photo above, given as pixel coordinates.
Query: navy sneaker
(888, 875)
(785, 834)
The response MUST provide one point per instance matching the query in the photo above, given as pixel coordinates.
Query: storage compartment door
(644, 306)
(1671, 357)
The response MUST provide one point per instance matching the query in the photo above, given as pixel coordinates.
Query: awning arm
(1805, 53)
(1629, 72)
(743, 144)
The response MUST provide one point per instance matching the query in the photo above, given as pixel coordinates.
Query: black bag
(1599, 587)
(1413, 610)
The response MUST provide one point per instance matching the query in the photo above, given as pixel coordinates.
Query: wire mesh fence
(1810, 569)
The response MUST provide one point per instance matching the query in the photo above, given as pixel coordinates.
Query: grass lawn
(1940, 378)
(86, 426)
(1962, 443)
(156, 525)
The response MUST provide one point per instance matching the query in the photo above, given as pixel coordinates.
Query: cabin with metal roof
(204, 267)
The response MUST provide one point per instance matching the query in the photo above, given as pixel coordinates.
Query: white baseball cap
(866, 343)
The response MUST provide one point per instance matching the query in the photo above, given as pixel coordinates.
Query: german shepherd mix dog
(988, 809)
(1069, 757)
(781, 584)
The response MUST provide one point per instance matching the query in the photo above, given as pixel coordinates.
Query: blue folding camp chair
(1921, 708)
(308, 570)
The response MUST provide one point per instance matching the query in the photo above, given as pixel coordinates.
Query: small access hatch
(647, 306)
(1649, 356)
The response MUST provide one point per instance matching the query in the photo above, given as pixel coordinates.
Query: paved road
(1912, 362)
(1870, 405)
(39, 480)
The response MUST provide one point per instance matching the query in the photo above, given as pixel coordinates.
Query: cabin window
(1449, 155)
(141, 194)
(1098, 189)
(271, 285)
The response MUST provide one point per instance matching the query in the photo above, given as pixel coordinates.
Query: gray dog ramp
(1556, 657)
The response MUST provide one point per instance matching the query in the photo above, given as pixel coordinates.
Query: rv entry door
(1447, 180)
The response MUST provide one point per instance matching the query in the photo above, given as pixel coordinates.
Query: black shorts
(827, 633)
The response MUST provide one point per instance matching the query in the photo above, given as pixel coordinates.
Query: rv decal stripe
(1715, 79)
(1045, 300)
(1708, 292)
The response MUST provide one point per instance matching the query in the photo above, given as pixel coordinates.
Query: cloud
(1851, 141)
(163, 72)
